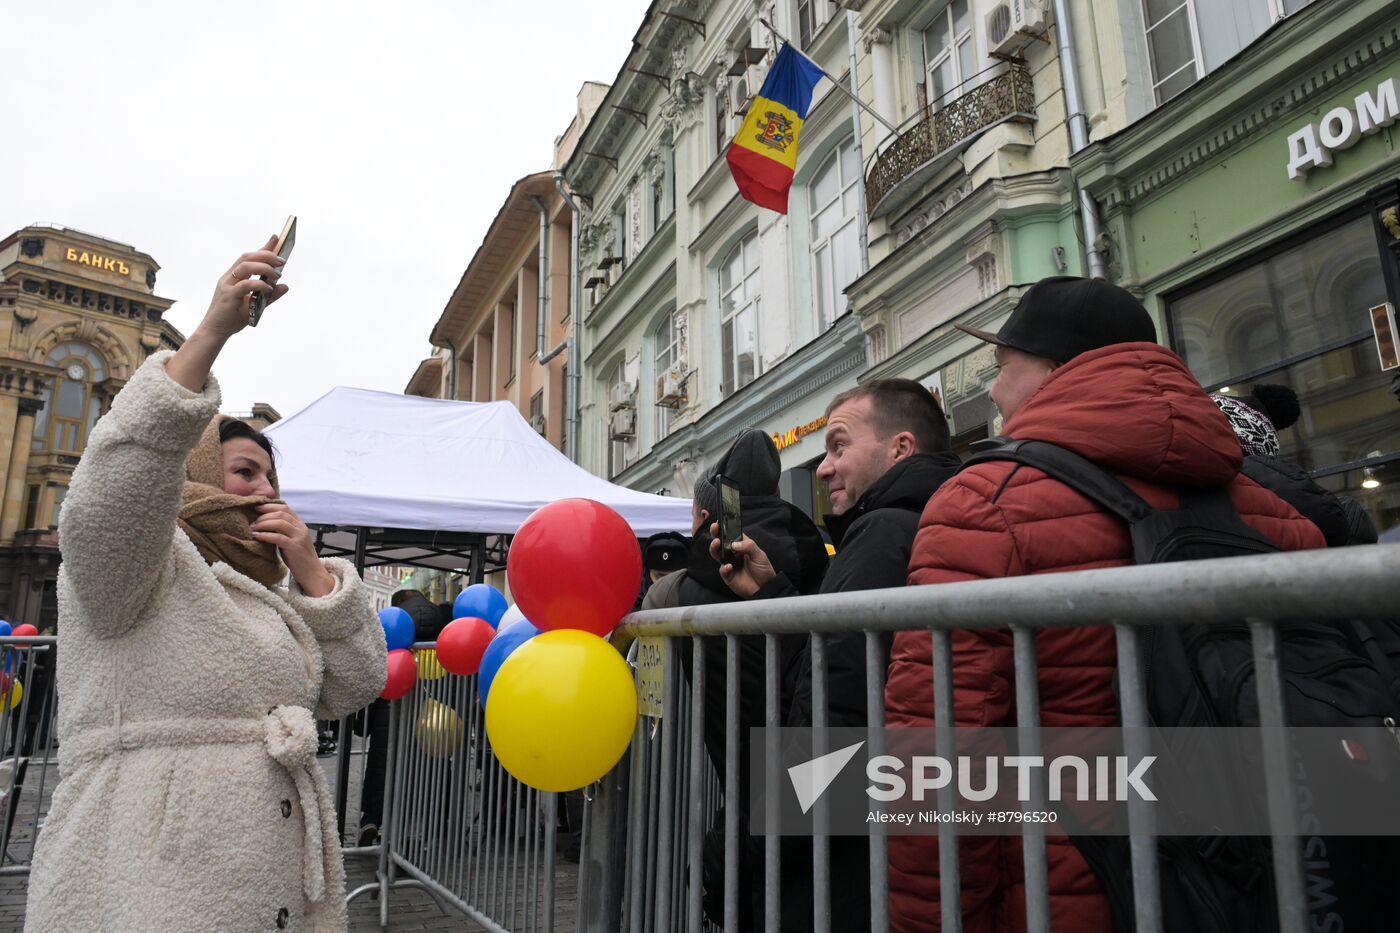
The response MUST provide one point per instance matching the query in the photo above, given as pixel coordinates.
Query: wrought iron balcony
(936, 134)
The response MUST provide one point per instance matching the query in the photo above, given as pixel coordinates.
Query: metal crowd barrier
(28, 750)
(646, 823)
(455, 823)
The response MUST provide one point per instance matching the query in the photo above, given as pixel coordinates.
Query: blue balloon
(480, 601)
(5, 629)
(506, 641)
(398, 627)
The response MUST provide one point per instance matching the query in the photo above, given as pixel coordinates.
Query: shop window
(1299, 318)
(833, 201)
(740, 286)
(1302, 299)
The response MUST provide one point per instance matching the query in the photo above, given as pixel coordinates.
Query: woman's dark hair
(232, 428)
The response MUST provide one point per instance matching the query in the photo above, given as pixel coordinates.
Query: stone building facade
(78, 315)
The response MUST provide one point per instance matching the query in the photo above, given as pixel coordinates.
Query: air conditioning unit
(622, 423)
(623, 395)
(1011, 23)
(537, 422)
(670, 387)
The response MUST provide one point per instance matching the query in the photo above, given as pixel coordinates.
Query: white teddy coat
(190, 797)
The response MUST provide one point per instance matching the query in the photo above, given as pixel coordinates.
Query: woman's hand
(230, 308)
(278, 524)
(227, 315)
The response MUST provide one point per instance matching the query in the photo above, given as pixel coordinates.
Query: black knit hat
(1063, 316)
(751, 461)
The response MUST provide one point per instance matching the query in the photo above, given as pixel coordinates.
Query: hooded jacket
(190, 798)
(1136, 410)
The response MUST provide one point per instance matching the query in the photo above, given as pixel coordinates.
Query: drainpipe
(575, 380)
(1078, 135)
(540, 317)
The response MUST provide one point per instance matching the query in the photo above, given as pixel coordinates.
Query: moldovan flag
(764, 153)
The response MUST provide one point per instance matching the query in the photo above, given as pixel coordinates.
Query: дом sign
(1341, 128)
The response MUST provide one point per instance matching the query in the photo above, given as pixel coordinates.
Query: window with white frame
(833, 197)
(812, 15)
(617, 446)
(668, 354)
(740, 287)
(1173, 46)
(950, 53)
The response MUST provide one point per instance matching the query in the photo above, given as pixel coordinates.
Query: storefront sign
(1341, 128)
(793, 435)
(97, 261)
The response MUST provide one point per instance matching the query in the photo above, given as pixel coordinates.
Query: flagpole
(839, 86)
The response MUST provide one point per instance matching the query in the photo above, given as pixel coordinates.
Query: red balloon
(575, 563)
(461, 644)
(25, 629)
(403, 674)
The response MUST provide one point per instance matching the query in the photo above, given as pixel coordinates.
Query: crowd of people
(202, 635)
(1079, 367)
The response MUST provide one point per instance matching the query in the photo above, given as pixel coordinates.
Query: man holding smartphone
(794, 545)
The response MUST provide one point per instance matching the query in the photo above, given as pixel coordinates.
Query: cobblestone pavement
(411, 909)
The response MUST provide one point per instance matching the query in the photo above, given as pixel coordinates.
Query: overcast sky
(394, 131)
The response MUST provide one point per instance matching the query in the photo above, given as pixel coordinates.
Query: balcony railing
(934, 134)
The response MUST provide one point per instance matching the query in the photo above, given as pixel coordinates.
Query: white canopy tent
(421, 480)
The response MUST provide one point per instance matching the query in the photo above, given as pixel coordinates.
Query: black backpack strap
(1084, 476)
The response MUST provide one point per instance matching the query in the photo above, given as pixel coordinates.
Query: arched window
(71, 407)
(740, 288)
(832, 196)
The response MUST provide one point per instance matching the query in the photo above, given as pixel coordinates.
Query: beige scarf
(218, 522)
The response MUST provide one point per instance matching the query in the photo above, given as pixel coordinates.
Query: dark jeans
(376, 763)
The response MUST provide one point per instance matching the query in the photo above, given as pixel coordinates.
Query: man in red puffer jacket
(1079, 366)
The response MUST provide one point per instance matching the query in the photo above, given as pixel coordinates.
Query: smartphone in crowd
(285, 242)
(731, 528)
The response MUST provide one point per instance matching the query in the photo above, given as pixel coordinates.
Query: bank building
(78, 315)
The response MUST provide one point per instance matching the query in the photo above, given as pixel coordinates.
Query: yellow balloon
(12, 693)
(429, 667)
(438, 729)
(561, 710)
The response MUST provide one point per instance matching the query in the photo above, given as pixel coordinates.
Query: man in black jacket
(887, 452)
(796, 548)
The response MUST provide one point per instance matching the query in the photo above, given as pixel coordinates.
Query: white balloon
(512, 614)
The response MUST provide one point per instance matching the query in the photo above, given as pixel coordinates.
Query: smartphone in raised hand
(285, 241)
(731, 528)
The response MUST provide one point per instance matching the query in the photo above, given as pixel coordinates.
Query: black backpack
(1335, 674)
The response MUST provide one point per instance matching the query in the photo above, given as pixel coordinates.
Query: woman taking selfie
(191, 673)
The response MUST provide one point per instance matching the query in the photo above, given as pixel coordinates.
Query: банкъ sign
(97, 261)
(1341, 128)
